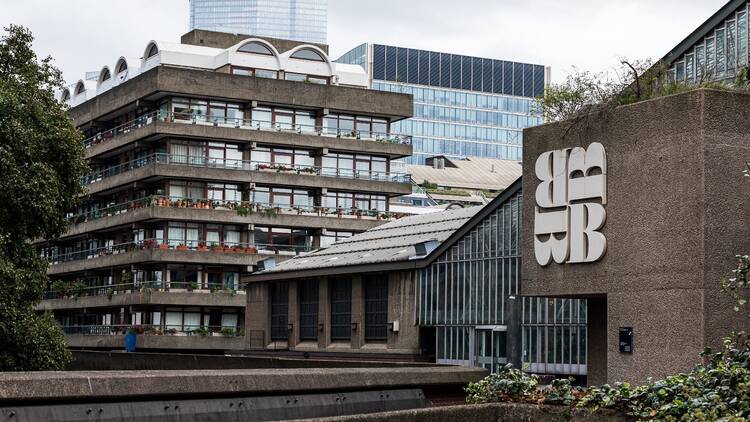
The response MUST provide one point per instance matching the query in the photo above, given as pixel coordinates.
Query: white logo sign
(566, 221)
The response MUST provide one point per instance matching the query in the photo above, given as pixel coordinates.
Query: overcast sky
(589, 34)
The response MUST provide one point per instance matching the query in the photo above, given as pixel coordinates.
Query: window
(152, 51)
(80, 88)
(104, 75)
(122, 66)
(308, 310)
(282, 197)
(258, 73)
(360, 201)
(282, 238)
(358, 126)
(301, 77)
(341, 309)
(303, 121)
(307, 54)
(279, 311)
(348, 165)
(255, 47)
(376, 307)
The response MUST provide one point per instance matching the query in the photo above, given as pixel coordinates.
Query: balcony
(77, 295)
(231, 212)
(177, 251)
(154, 117)
(111, 336)
(245, 171)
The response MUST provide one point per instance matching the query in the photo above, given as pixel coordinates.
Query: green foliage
(41, 162)
(228, 331)
(718, 389)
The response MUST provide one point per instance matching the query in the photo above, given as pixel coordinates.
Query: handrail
(234, 164)
(152, 329)
(242, 208)
(75, 290)
(173, 244)
(241, 123)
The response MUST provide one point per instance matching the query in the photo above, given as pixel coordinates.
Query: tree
(41, 163)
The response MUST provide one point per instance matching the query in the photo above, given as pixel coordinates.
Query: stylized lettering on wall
(570, 205)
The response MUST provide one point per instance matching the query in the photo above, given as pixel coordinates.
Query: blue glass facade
(463, 106)
(301, 20)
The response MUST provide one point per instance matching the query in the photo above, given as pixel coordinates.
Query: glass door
(490, 348)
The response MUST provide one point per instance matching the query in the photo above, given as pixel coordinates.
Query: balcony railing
(232, 164)
(153, 329)
(62, 290)
(242, 208)
(174, 244)
(249, 124)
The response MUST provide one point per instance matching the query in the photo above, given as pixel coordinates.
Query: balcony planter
(251, 249)
(202, 248)
(163, 246)
(182, 247)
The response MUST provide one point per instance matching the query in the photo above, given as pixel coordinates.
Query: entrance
(490, 352)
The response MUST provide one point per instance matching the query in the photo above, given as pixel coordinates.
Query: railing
(78, 289)
(233, 164)
(240, 123)
(151, 329)
(174, 244)
(242, 208)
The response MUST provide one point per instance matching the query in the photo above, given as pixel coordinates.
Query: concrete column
(401, 309)
(513, 335)
(597, 341)
(257, 316)
(293, 314)
(324, 313)
(358, 312)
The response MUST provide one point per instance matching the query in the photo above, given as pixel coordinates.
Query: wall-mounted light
(354, 326)
(291, 327)
(321, 327)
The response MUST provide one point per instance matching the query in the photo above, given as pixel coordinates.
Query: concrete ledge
(223, 216)
(157, 342)
(156, 171)
(496, 412)
(159, 129)
(194, 298)
(109, 385)
(159, 255)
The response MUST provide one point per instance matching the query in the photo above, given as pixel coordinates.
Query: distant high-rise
(301, 20)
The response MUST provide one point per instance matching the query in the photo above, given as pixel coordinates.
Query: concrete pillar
(513, 335)
(401, 290)
(293, 314)
(358, 312)
(324, 313)
(258, 316)
(597, 341)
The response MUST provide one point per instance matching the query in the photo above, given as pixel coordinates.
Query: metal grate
(308, 310)
(279, 311)
(376, 308)
(341, 309)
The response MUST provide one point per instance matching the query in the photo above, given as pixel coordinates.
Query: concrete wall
(204, 38)
(401, 302)
(674, 189)
(496, 412)
(201, 83)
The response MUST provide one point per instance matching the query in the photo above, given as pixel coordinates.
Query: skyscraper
(463, 106)
(300, 20)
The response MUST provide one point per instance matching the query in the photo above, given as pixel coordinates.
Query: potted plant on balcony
(171, 331)
(227, 332)
(192, 286)
(78, 288)
(242, 210)
(270, 211)
(60, 288)
(182, 247)
(202, 247)
(251, 249)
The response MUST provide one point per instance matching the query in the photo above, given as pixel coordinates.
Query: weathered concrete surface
(87, 360)
(157, 342)
(108, 385)
(676, 216)
(496, 412)
(171, 171)
(147, 297)
(159, 129)
(207, 84)
(284, 219)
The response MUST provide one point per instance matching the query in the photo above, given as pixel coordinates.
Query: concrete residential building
(443, 286)
(299, 20)
(463, 106)
(205, 160)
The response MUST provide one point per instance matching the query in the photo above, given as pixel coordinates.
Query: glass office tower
(463, 106)
(301, 20)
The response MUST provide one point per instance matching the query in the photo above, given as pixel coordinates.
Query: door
(490, 348)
